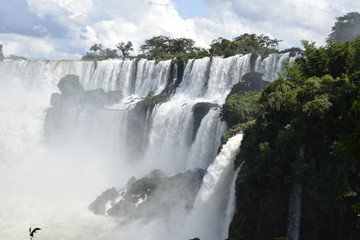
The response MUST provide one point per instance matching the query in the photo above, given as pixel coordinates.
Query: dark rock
(96, 98)
(156, 196)
(113, 97)
(251, 81)
(73, 93)
(99, 205)
(157, 174)
(71, 90)
(70, 85)
(199, 111)
(1, 53)
(56, 99)
(130, 182)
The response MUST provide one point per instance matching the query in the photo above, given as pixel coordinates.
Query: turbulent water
(50, 173)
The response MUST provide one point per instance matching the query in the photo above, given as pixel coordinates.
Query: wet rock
(71, 91)
(113, 97)
(56, 99)
(99, 205)
(70, 85)
(73, 94)
(154, 196)
(96, 98)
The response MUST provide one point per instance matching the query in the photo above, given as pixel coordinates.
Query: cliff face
(301, 147)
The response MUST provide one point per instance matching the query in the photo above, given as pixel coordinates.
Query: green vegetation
(99, 53)
(243, 44)
(346, 27)
(241, 105)
(314, 107)
(151, 100)
(1, 53)
(11, 57)
(125, 48)
(154, 196)
(164, 47)
(15, 57)
(142, 187)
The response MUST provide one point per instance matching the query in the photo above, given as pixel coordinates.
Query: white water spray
(49, 182)
(207, 219)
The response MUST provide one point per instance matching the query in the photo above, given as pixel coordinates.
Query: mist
(80, 166)
(40, 185)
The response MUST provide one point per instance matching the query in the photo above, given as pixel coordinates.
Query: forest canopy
(164, 47)
(306, 130)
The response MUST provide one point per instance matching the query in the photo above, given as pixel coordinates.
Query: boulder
(153, 196)
(73, 94)
(113, 97)
(71, 91)
(96, 98)
(56, 100)
(99, 205)
(70, 85)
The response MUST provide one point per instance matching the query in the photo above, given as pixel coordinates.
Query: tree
(125, 48)
(156, 45)
(267, 42)
(1, 53)
(307, 131)
(96, 47)
(109, 53)
(346, 28)
(181, 45)
(222, 46)
(244, 44)
(164, 45)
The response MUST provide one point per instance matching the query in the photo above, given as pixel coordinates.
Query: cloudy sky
(65, 29)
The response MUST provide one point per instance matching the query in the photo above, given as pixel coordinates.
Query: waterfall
(294, 215)
(69, 155)
(293, 231)
(212, 79)
(204, 147)
(209, 219)
(272, 65)
(231, 204)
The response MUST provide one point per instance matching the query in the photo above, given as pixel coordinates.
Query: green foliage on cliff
(241, 105)
(313, 106)
(165, 44)
(182, 49)
(243, 44)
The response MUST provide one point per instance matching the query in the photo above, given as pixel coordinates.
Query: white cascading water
(207, 219)
(204, 147)
(51, 185)
(272, 65)
(293, 231)
(294, 215)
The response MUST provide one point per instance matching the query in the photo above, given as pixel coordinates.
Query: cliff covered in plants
(299, 159)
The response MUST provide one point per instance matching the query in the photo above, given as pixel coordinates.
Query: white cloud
(110, 21)
(33, 48)
(289, 20)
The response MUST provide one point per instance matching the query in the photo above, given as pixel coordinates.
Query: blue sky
(191, 8)
(65, 29)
